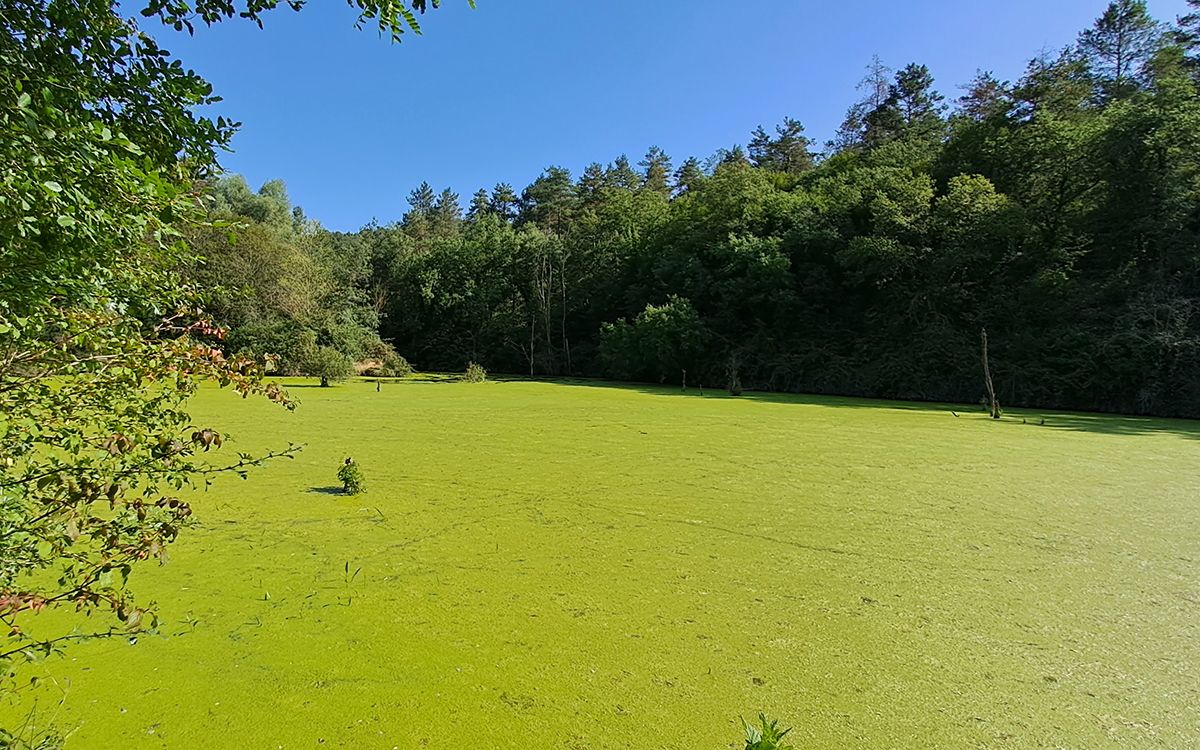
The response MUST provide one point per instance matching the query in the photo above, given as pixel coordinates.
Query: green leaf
(52, 186)
(23, 101)
(66, 221)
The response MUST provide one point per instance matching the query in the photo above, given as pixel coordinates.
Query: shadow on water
(1093, 422)
(291, 383)
(432, 377)
(1107, 424)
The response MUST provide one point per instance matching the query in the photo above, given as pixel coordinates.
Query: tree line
(1059, 212)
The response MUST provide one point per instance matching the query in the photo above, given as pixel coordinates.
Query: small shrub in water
(766, 735)
(475, 373)
(351, 477)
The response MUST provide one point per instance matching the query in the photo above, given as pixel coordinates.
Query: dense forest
(1060, 212)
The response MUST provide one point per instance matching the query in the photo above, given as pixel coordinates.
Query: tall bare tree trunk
(735, 380)
(532, 341)
(562, 281)
(993, 404)
(379, 299)
(544, 280)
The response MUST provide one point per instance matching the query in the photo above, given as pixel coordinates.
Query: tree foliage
(787, 151)
(105, 160)
(1120, 44)
(327, 364)
(1058, 210)
(660, 343)
(392, 17)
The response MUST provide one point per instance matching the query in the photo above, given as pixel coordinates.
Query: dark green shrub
(395, 366)
(290, 344)
(657, 345)
(329, 365)
(351, 477)
(475, 373)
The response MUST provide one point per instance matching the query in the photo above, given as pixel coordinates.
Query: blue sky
(352, 122)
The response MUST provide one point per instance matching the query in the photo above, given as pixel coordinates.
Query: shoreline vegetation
(1057, 213)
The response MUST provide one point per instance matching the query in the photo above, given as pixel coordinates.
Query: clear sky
(352, 122)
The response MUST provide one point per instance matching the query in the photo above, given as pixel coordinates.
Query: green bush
(766, 735)
(351, 477)
(329, 365)
(392, 366)
(661, 342)
(475, 373)
(289, 343)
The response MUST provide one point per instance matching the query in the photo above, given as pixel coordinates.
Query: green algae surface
(559, 565)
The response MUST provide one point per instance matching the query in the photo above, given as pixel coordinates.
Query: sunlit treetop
(393, 17)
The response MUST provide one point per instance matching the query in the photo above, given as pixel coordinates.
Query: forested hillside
(1060, 211)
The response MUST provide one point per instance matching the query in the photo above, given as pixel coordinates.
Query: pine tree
(480, 205)
(620, 174)
(689, 176)
(592, 183)
(760, 147)
(728, 157)
(913, 110)
(447, 213)
(421, 200)
(550, 201)
(656, 170)
(875, 86)
(1119, 45)
(419, 216)
(787, 152)
(986, 97)
(1187, 36)
(1189, 28)
(504, 202)
(300, 222)
(1060, 85)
